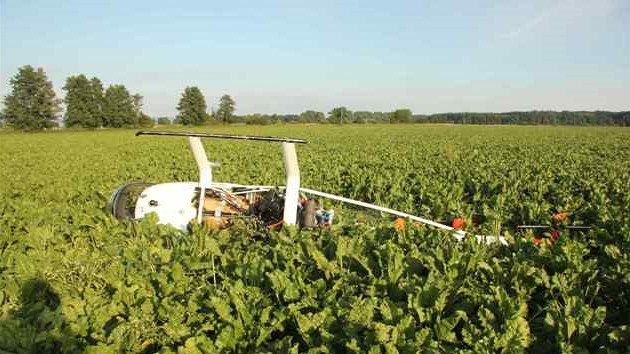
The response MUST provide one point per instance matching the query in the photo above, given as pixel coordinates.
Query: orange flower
(560, 216)
(399, 224)
(275, 226)
(457, 223)
(537, 241)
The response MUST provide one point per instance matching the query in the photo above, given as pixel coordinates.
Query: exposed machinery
(219, 204)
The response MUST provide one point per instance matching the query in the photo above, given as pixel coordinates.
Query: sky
(292, 56)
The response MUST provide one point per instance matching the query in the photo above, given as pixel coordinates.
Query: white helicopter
(219, 204)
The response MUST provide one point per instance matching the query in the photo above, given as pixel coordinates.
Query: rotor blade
(571, 227)
(224, 136)
(378, 208)
(459, 234)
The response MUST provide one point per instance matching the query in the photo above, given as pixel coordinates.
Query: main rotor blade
(579, 227)
(224, 136)
(571, 227)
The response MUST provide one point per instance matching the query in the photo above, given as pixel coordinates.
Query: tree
(137, 104)
(192, 107)
(400, 116)
(163, 121)
(340, 115)
(312, 117)
(84, 101)
(226, 109)
(119, 107)
(380, 117)
(32, 103)
(363, 117)
(145, 121)
(98, 97)
(141, 119)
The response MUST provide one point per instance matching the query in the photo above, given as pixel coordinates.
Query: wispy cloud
(562, 14)
(533, 22)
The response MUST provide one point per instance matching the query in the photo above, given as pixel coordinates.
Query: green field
(74, 279)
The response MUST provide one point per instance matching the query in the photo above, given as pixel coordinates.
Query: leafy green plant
(73, 279)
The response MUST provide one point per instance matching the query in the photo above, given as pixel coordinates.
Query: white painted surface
(292, 188)
(174, 203)
(205, 170)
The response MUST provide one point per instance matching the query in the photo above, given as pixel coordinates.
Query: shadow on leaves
(37, 326)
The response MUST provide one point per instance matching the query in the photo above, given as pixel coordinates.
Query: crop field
(74, 279)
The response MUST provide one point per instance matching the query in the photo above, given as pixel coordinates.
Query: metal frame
(292, 187)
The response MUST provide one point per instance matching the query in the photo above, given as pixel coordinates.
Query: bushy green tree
(340, 115)
(381, 117)
(145, 121)
(142, 119)
(84, 102)
(312, 117)
(226, 109)
(400, 116)
(163, 121)
(192, 107)
(363, 116)
(119, 107)
(98, 94)
(32, 103)
(257, 119)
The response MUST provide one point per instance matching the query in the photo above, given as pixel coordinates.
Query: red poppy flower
(537, 241)
(457, 223)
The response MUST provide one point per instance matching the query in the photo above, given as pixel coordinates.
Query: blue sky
(290, 56)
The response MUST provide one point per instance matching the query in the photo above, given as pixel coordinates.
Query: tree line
(32, 104)
(342, 115)
(338, 115)
(532, 118)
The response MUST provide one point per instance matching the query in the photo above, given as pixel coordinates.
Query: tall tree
(137, 103)
(119, 107)
(340, 115)
(32, 103)
(83, 102)
(145, 121)
(400, 116)
(192, 107)
(98, 98)
(226, 109)
(142, 119)
(163, 121)
(363, 116)
(312, 117)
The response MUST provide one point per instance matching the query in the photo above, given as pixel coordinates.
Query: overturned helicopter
(219, 204)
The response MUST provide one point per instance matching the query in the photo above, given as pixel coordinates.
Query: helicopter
(219, 204)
